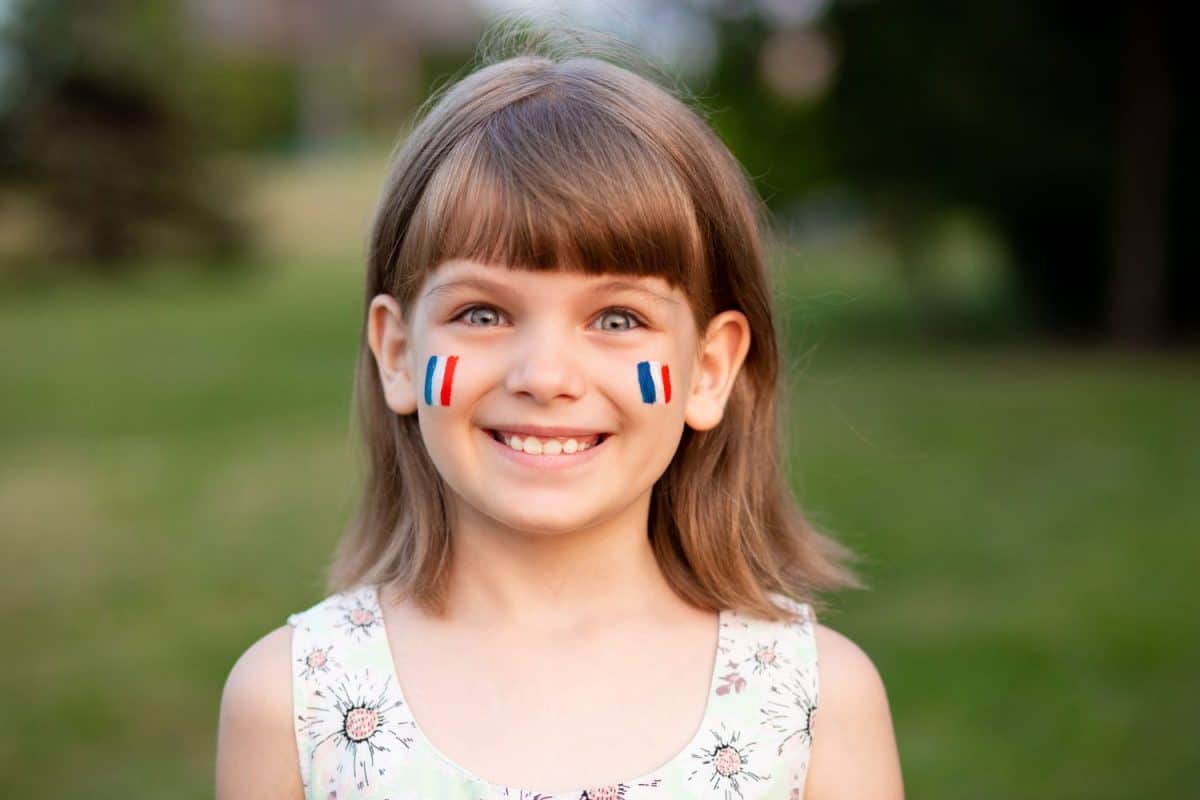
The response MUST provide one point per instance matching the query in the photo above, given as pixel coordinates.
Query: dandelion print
(762, 658)
(726, 763)
(603, 793)
(318, 660)
(360, 620)
(792, 713)
(614, 791)
(767, 658)
(357, 717)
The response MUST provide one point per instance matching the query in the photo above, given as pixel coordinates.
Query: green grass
(177, 465)
(1029, 522)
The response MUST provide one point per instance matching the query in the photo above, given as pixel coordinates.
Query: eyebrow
(484, 284)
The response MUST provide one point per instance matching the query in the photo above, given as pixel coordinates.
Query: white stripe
(439, 374)
(656, 375)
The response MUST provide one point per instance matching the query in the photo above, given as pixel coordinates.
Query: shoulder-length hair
(546, 161)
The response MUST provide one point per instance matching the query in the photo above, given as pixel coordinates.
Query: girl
(576, 570)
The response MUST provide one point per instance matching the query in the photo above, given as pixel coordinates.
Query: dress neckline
(693, 744)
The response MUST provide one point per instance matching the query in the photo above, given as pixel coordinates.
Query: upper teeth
(546, 445)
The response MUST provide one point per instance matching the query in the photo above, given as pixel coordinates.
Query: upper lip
(545, 430)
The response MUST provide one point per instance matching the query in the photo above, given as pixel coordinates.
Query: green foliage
(91, 134)
(1008, 108)
(782, 144)
(254, 96)
(1011, 110)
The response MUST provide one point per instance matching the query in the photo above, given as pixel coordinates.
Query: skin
(551, 557)
(530, 547)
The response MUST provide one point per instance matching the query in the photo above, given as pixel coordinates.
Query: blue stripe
(646, 381)
(429, 368)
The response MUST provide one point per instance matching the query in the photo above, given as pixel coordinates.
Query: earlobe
(726, 342)
(387, 336)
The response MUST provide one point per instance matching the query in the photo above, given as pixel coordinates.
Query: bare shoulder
(256, 748)
(854, 751)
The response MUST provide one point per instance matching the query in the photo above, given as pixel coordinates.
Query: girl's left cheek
(440, 371)
(654, 382)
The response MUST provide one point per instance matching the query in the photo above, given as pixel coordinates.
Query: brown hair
(547, 161)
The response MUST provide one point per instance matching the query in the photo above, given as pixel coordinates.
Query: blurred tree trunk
(1137, 291)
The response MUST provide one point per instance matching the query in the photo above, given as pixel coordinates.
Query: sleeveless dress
(357, 739)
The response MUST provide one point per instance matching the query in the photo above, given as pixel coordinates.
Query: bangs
(552, 182)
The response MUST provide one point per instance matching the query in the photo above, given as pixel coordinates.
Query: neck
(555, 582)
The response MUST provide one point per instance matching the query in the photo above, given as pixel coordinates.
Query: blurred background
(993, 342)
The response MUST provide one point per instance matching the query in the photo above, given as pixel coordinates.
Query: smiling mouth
(547, 445)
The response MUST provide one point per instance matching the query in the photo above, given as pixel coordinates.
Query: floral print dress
(357, 739)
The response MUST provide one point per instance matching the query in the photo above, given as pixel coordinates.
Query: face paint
(439, 376)
(654, 379)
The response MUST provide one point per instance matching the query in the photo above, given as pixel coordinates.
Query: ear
(388, 337)
(724, 348)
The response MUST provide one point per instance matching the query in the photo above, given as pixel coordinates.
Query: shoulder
(854, 751)
(256, 747)
(843, 666)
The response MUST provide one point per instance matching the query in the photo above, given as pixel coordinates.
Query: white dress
(357, 738)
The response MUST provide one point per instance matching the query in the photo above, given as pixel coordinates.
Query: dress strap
(331, 645)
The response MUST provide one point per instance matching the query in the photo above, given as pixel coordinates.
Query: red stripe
(666, 384)
(447, 379)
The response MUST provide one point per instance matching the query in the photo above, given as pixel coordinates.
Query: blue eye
(479, 316)
(632, 320)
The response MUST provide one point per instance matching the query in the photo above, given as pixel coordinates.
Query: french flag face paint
(655, 381)
(439, 378)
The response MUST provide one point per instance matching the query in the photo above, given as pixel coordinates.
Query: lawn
(177, 465)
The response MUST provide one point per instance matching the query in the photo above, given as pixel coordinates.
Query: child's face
(491, 353)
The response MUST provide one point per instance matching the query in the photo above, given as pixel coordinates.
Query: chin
(541, 520)
(545, 526)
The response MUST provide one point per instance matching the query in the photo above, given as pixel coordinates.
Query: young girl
(576, 571)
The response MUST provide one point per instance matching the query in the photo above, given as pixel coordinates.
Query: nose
(543, 366)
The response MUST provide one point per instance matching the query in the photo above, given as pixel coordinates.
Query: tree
(1061, 123)
(1054, 119)
(116, 170)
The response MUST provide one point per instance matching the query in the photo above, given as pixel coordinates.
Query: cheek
(438, 378)
(649, 393)
(443, 385)
(654, 381)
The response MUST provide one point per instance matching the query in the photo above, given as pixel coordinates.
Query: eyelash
(638, 321)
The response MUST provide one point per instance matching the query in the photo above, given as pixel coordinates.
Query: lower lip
(564, 461)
